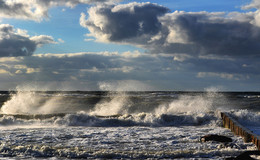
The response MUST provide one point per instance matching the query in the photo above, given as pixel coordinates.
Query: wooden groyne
(238, 129)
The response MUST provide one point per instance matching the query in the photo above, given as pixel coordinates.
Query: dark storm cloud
(16, 43)
(133, 22)
(12, 44)
(217, 35)
(150, 26)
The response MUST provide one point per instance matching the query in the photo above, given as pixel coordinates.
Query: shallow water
(117, 142)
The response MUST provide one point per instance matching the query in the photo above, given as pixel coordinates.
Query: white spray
(117, 105)
(117, 102)
(28, 101)
(198, 103)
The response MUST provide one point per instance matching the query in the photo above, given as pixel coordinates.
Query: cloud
(2, 71)
(223, 75)
(124, 85)
(253, 4)
(88, 70)
(83, 67)
(152, 27)
(123, 23)
(37, 9)
(43, 39)
(211, 33)
(61, 40)
(16, 42)
(88, 39)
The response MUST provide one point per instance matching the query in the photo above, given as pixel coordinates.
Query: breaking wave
(86, 120)
(246, 117)
(105, 109)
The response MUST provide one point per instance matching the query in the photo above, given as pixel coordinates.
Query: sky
(166, 45)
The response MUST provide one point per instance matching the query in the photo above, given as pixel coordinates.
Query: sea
(123, 125)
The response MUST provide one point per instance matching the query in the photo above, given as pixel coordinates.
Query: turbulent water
(122, 125)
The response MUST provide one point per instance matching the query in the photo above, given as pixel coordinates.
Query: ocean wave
(246, 117)
(86, 120)
(46, 152)
(103, 103)
(249, 96)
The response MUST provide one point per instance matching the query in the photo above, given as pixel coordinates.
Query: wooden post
(238, 129)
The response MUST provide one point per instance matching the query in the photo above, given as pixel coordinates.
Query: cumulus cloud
(152, 27)
(125, 22)
(212, 33)
(252, 4)
(43, 39)
(255, 4)
(37, 9)
(16, 42)
(61, 40)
